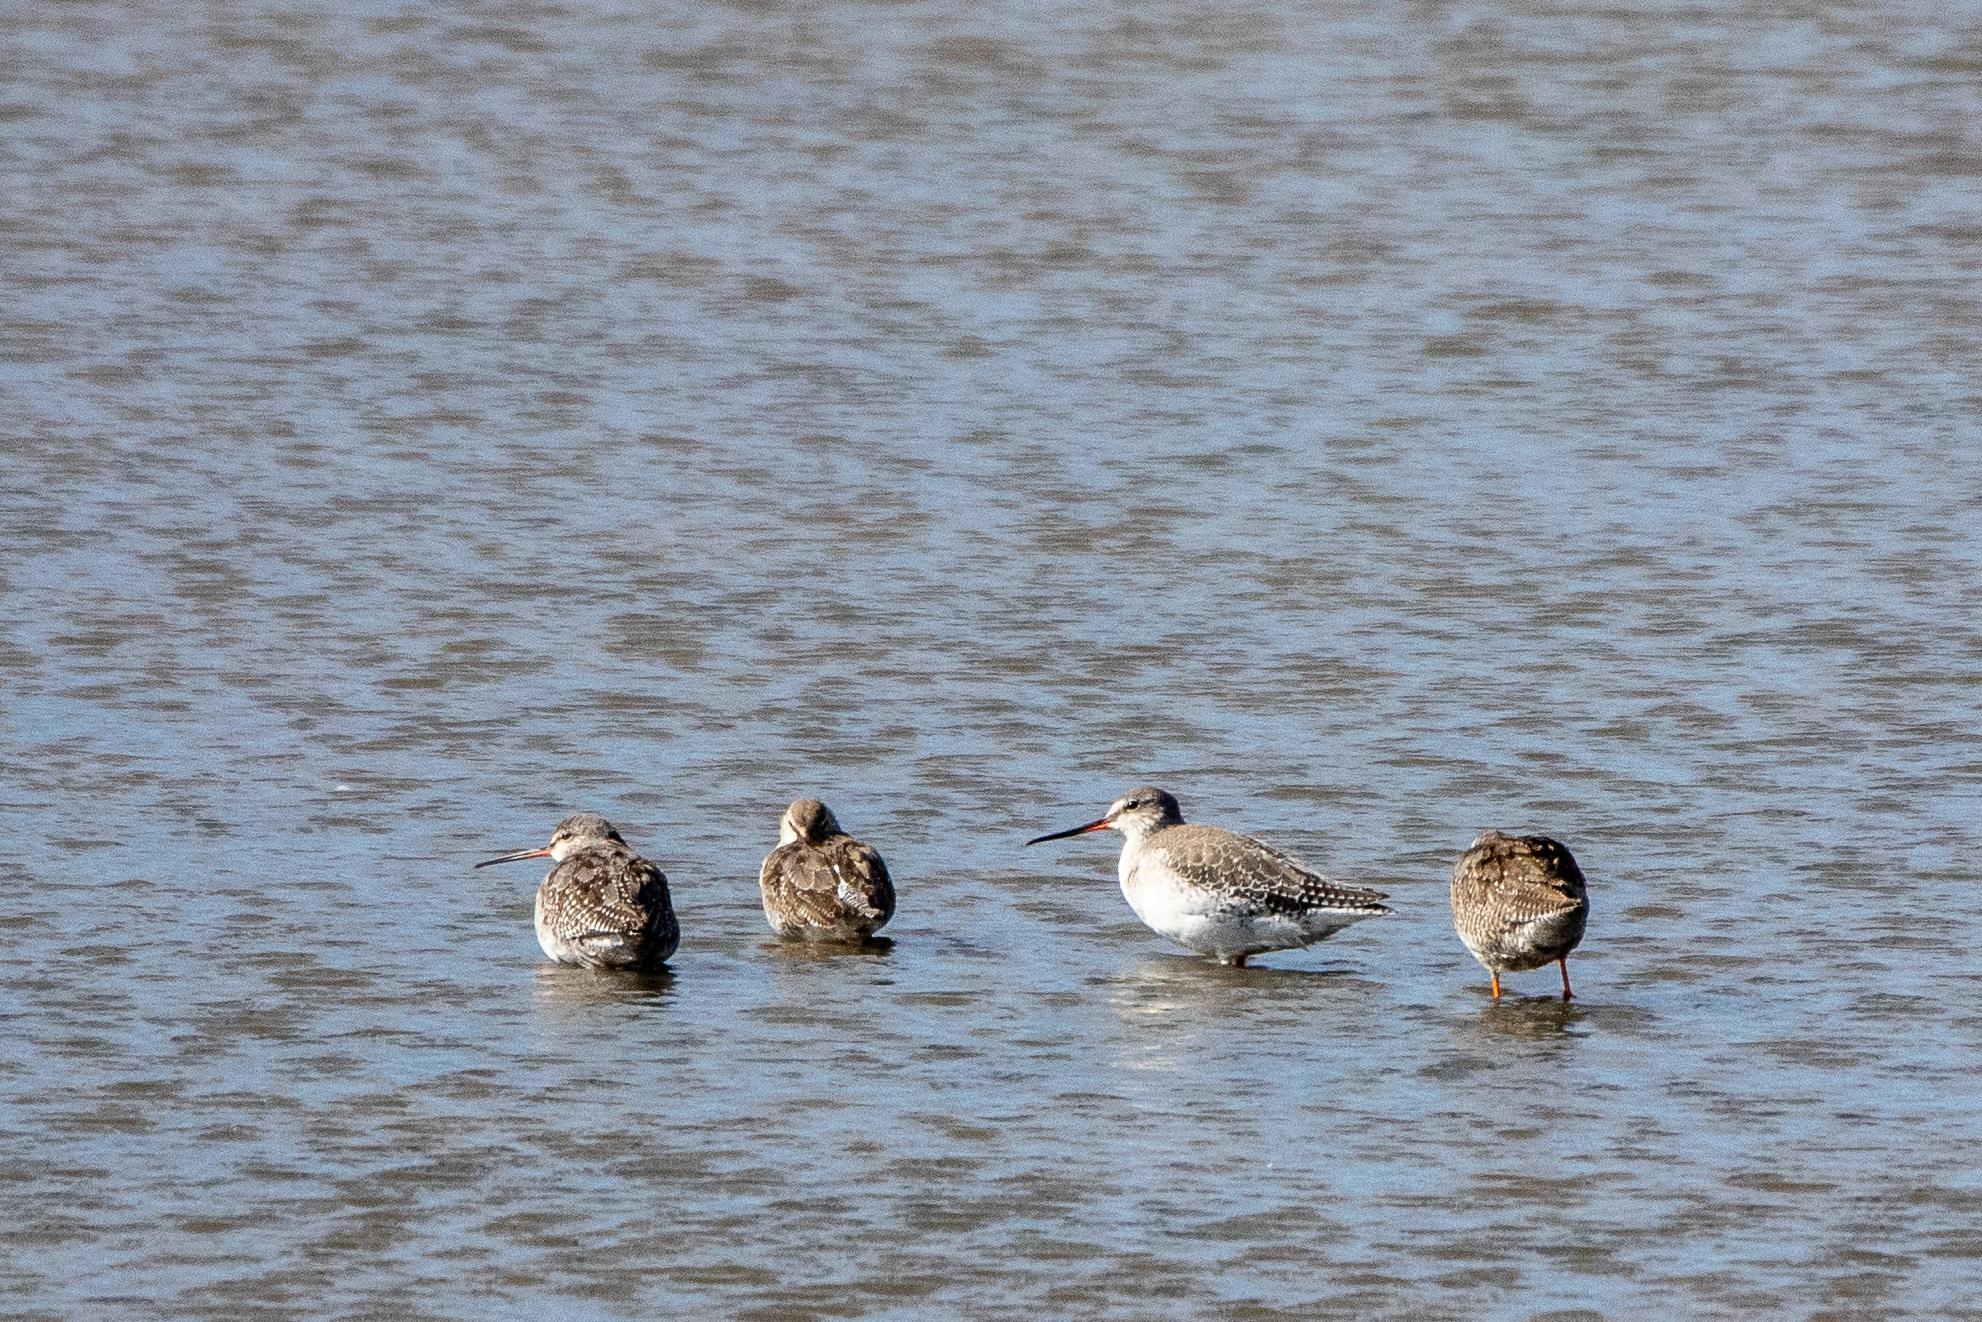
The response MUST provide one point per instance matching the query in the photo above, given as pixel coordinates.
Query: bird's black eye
(1133, 803)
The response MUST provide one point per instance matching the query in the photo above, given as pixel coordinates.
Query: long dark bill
(1078, 830)
(545, 852)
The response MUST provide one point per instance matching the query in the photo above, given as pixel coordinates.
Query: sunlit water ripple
(1373, 424)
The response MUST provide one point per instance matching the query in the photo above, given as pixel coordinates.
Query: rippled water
(1373, 423)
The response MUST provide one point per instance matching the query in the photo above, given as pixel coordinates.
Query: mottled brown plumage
(602, 906)
(820, 882)
(1519, 902)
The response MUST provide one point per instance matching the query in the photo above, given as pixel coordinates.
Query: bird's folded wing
(1257, 873)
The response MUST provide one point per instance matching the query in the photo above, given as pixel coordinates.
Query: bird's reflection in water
(801, 951)
(1176, 1008)
(1536, 1018)
(1253, 982)
(566, 989)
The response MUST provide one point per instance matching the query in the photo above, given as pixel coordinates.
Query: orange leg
(1567, 995)
(1496, 983)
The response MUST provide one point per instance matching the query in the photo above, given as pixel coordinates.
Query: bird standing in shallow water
(1519, 902)
(822, 883)
(601, 906)
(1218, 893)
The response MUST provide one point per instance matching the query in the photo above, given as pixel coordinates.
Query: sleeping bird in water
(1519, 902)
(820, 882)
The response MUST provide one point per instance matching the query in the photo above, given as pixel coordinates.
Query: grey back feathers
(1255, 874)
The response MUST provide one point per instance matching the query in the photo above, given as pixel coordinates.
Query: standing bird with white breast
(1218, 893)
(601, 906)
(820, 882)
(1519, 902)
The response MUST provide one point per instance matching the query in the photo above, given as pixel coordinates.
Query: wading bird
(822, 883)
(1218, 893)
(601, 906)
(1518, 903)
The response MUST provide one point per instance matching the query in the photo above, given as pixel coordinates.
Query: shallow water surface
(1372, 423)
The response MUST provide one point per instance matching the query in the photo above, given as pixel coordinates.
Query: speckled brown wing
(1255, 874)
(840, 887)
(612, 908)
(1518, 902)
(865, 885)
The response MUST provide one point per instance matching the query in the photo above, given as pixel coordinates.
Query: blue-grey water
(1372, 422)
